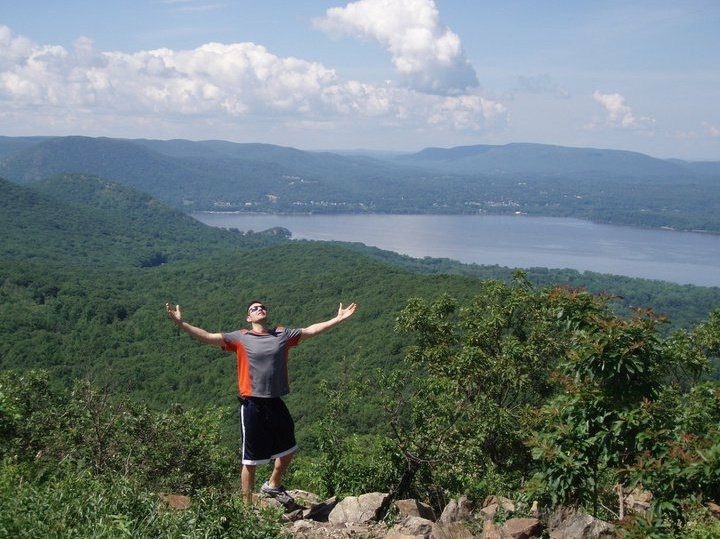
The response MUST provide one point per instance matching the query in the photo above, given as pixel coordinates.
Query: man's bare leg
(281, 464)
(247, 479)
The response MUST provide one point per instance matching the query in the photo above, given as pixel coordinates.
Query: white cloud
(466, 112)
(428, 55)
(711, 130)
(619, 114)
(217, 83)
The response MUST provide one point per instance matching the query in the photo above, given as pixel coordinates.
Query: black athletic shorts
(268, 431)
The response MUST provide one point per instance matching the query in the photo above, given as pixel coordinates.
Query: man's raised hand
(175, 314)
(346, 312)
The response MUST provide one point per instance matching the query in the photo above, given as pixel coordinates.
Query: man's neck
(259, 328)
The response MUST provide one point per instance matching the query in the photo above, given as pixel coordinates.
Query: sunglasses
(256, 308)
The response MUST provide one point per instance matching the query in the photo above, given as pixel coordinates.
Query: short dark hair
(253, 302)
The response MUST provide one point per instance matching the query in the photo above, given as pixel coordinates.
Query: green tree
(464, 400)
(614, 375)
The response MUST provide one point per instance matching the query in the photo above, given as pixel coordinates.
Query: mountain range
(603, 185)
(541, 160)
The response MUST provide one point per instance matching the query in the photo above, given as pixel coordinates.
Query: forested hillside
(91, 370)
(78, 276)
(88, 262)
(602, 185)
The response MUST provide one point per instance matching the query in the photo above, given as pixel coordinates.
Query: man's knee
(287, 458)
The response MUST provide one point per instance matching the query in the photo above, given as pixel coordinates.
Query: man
(261, 353)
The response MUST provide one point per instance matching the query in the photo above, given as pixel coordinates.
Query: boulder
(580, 526)
(267, 501)
(358, 509)
(491, 530)
(303, 497)
(521, 528)
(515, 528)
(320, 510)
(292, 516)
(414, 508)
(411, 528)
(457, 511)
(451, 530)
(492, 504)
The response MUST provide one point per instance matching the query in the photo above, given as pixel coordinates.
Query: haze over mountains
(603, 185)
(553, 161)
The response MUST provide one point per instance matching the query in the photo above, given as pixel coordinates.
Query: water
(514, 241)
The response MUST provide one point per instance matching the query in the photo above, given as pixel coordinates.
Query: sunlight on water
(514, 241)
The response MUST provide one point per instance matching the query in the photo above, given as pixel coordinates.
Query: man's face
(257, 312)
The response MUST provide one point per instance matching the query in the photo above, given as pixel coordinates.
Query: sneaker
(279, 493)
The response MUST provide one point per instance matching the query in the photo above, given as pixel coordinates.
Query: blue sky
(374, 74)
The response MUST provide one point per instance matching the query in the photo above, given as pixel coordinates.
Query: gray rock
(292, 516)
(491, 530)
(303, 497)
(581, 526)
(302, 528)
(358, 509)
(521, 528)
(266, 501)
(414, 508)
(457, 511)
(411, 528)
(310, 529)
(492, 504)
(321, 510)
(451, 530)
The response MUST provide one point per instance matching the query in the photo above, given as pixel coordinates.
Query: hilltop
(543, 160)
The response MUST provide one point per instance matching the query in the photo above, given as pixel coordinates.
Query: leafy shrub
(71, 501)
(176, 450)
(626, 417)
(81, 464)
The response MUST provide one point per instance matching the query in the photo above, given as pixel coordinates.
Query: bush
(81, 464)
(71, 501)
(176, 450)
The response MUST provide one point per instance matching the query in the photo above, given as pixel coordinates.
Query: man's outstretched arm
(199, 334)
(316, 329)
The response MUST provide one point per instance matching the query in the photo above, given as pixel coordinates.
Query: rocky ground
(360, 516)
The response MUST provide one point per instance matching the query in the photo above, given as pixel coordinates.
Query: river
(513, 241)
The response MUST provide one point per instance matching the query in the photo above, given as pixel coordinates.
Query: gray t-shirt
(262, 360)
